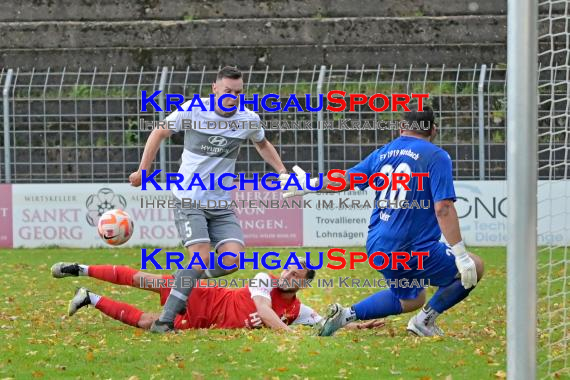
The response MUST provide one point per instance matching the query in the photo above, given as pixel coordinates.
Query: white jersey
(211, 147)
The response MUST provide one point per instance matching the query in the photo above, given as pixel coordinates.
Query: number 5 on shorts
(188, 229)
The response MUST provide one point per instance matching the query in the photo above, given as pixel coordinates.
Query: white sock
(427, 315)
(84, 270)
(94, 298)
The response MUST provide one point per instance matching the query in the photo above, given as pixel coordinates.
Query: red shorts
(196, 314)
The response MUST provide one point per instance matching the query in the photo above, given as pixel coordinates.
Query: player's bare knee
(230, 260)
(137, 279)
(410, 305)
(413, 304)
(147, 281)
(422, 298)
(204, 250)
(146, 321)
(231, 246)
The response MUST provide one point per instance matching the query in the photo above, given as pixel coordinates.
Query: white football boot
(427, 327)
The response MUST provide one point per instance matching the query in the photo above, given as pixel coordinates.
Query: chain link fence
(83, 126)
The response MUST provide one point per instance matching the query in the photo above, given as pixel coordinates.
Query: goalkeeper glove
(302, 179)
(465, 265)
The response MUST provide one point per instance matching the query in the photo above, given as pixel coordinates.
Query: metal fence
(83, 126)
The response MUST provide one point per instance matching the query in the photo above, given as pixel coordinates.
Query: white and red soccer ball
(115, 227)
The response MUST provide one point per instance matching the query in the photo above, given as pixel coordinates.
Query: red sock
(116, 274)
(120, 311)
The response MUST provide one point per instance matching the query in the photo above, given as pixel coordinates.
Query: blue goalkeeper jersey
(406, 229)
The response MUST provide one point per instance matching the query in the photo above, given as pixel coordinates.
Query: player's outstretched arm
(327, 182)
(308, 317)
(269, 154)
(267, 315)
(449, 225)
(150, 149)
(372, 324)
(367, 166)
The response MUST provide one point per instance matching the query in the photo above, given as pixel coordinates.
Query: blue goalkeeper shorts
(439, 270)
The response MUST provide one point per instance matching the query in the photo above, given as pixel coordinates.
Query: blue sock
(378, 305)
(448, 296)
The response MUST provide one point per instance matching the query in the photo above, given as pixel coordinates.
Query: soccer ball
(115, 227)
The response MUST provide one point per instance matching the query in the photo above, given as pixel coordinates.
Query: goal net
(553, 267)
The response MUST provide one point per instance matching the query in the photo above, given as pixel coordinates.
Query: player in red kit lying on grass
(273, 304)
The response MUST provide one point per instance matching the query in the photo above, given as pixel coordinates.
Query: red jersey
(227, 308)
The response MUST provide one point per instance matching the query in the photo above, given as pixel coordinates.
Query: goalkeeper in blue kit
(449, 267)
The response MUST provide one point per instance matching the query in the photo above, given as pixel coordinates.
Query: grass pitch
(39, 341)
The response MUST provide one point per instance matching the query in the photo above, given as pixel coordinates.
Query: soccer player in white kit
(212, 148)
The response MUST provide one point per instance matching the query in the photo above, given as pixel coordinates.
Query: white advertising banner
(67, 215)
(481, 207)
(342, 225)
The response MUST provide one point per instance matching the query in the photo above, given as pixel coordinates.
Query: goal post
(522, 165)
(553, 265)
(538, 184)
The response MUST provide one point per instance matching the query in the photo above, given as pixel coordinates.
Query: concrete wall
(111, 10)
(294, 33)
